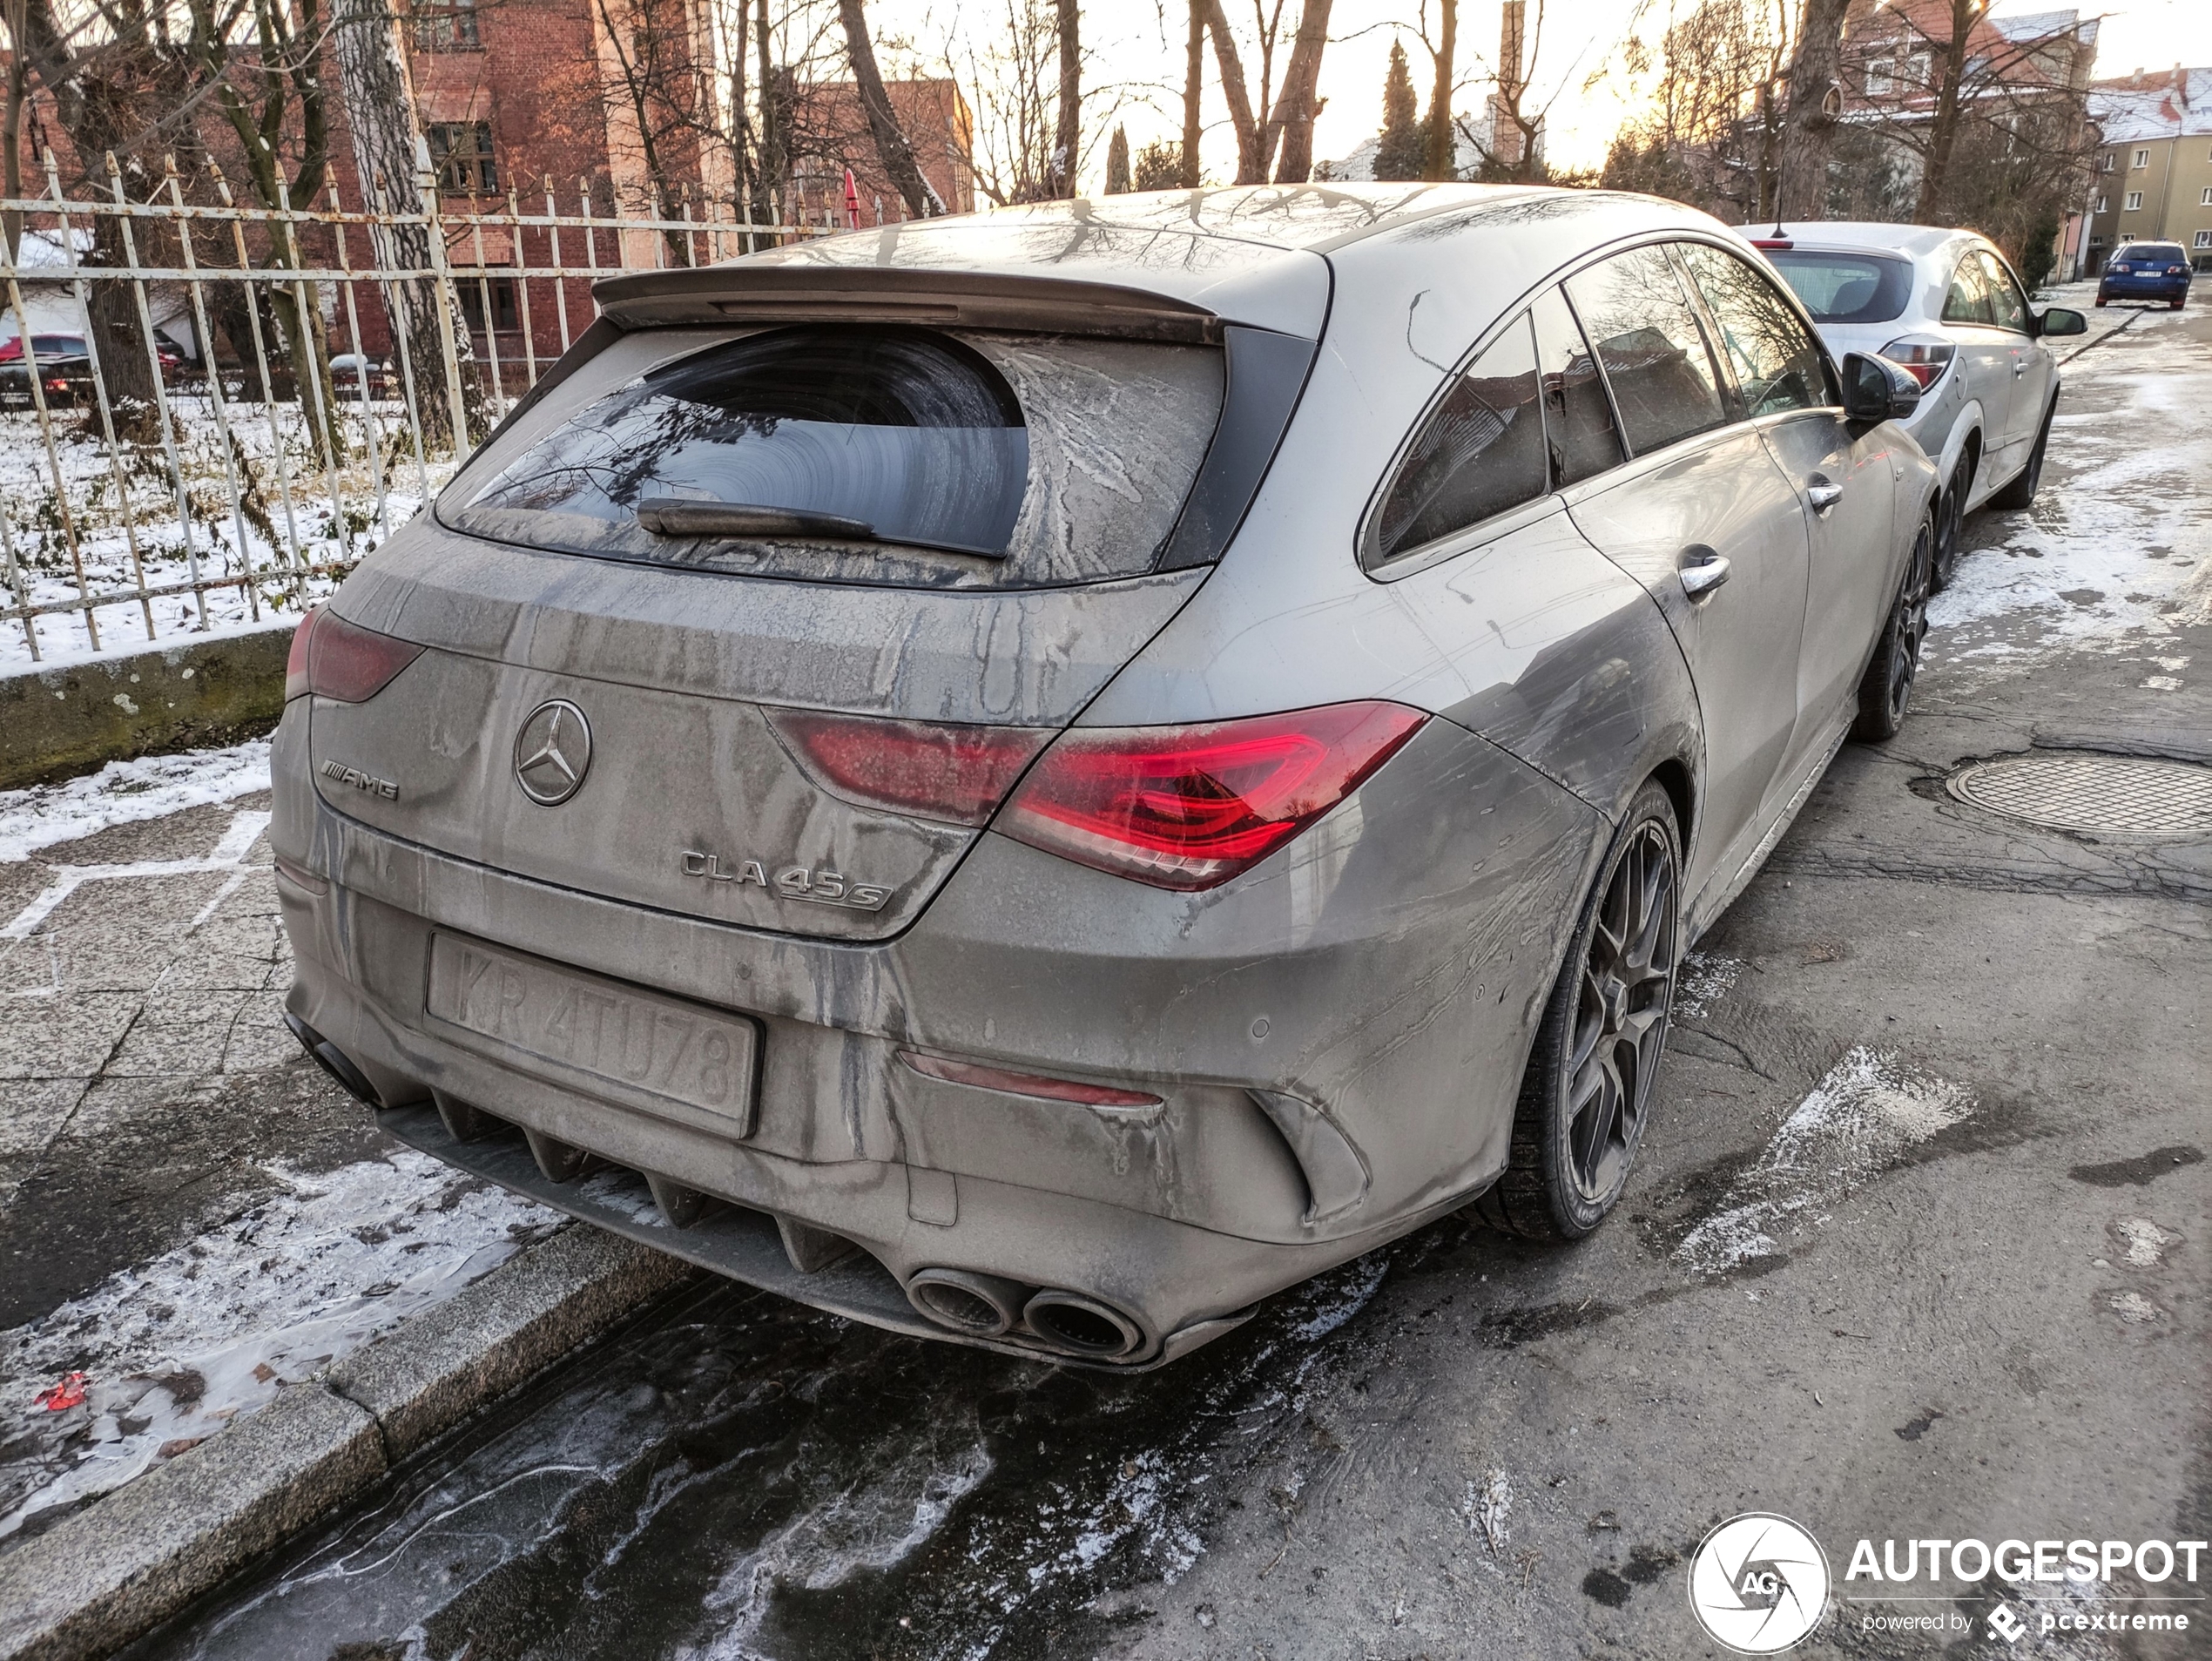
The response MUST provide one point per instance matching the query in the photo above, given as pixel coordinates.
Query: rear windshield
(1846, 287)
(2171, 252)
(874, 454)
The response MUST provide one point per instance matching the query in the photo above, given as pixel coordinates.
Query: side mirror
(2060, 320)
(1875, 389)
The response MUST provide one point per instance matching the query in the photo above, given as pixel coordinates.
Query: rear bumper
(1338, 1045)
(2142, 287)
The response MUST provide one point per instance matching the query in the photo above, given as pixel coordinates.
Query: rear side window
(1967, 301)
(1845, 288)
(1480, 453)
(1647, 342)
(1578, 418)
(1776, 364)
(857, 453)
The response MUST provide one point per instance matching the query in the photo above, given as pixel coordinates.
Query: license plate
(631, 1044)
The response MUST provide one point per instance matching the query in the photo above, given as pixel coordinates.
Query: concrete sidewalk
(229, 1301)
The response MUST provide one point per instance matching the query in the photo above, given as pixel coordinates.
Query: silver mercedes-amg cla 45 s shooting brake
(1038, 778)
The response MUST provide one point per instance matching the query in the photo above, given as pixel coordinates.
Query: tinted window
(1578, 419)
(1056, 459)
(1481, 452)
(1776, 363)
(2006, 304)
(1639, 321)
(1845, 288)
(2169, 253)
(1968, 300)
(911, 433)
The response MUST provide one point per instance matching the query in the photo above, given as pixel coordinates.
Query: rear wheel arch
(1673, 776)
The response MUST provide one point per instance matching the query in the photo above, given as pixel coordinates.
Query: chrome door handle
(2020, 366)
(1823, 494)
(1702, 577)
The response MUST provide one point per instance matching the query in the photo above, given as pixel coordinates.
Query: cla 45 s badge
(819, 884)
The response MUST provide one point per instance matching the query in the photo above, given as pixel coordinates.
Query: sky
(1135, 49)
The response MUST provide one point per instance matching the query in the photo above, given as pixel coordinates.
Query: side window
(1968, 301)
(1776, 362)
(1647, 342)
(1578, 419)
(2006, 304)
(1481, 452)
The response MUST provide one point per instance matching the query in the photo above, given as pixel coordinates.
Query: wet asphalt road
(1915, 1248)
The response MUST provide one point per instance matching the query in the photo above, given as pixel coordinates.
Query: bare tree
(1440, 144)
(891, 146)
(1067, 138)
(1713, 133)
(1816, 105)
(1286, 124)
(1194, 71)
(390, 156)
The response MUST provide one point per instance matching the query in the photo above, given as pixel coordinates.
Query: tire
(2021, 492)
(1577, 1125)
(1885, 690)
(2102, 301)
(1950, 520)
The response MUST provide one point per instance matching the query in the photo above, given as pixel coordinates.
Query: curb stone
(129, 1561)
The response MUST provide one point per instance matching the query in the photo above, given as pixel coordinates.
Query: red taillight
(1190, 807)
(1925, 361)
(1772, 242)
(1052, 1089)
(932, 770)
(347, 661)
(295, 661)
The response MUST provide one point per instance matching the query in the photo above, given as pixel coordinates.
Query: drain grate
(2093, 794)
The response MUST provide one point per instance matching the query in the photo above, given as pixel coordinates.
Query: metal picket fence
(279, 450)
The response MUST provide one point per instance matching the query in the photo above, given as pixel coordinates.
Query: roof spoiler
(746, 292)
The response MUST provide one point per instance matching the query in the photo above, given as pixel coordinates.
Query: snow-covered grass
(333, 517)
(173, 1349)
(123, 793)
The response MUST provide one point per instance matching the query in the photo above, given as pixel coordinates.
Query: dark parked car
(64, 368)
(2146, 271)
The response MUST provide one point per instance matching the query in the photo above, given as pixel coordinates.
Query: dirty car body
(1057, 912)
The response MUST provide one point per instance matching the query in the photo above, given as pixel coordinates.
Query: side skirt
(1707, 910)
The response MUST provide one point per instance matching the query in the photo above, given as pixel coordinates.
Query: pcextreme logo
(1758, 1583)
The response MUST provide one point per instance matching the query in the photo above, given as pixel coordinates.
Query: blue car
(2146, 271)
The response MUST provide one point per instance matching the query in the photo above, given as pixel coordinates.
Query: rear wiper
(680, 516)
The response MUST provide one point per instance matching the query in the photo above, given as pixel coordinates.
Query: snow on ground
(2114, 556)
(1866, 1115)
(173, 1349)
(124, 793)
(291, 512)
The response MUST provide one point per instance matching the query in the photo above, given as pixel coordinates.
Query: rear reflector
(349, 663)
(1052, 1089)
(1189, 808)
(931, 770)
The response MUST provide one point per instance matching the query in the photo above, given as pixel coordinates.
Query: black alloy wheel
(1886, 690)
(1587, 1095)
(1951, 514)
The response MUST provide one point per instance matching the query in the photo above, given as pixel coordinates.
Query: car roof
(1258, 255)
(1915, 239)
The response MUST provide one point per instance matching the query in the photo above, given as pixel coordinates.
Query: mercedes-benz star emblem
(553, 752)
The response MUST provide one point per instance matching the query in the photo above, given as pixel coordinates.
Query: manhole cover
(2093, 794)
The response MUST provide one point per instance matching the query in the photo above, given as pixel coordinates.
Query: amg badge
(818, 884)
(359, 780)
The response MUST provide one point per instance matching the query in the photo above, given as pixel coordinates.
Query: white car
(1947, 307)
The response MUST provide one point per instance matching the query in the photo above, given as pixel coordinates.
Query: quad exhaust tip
(1080, 1326)
(333, 1060)
(975, 1305)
